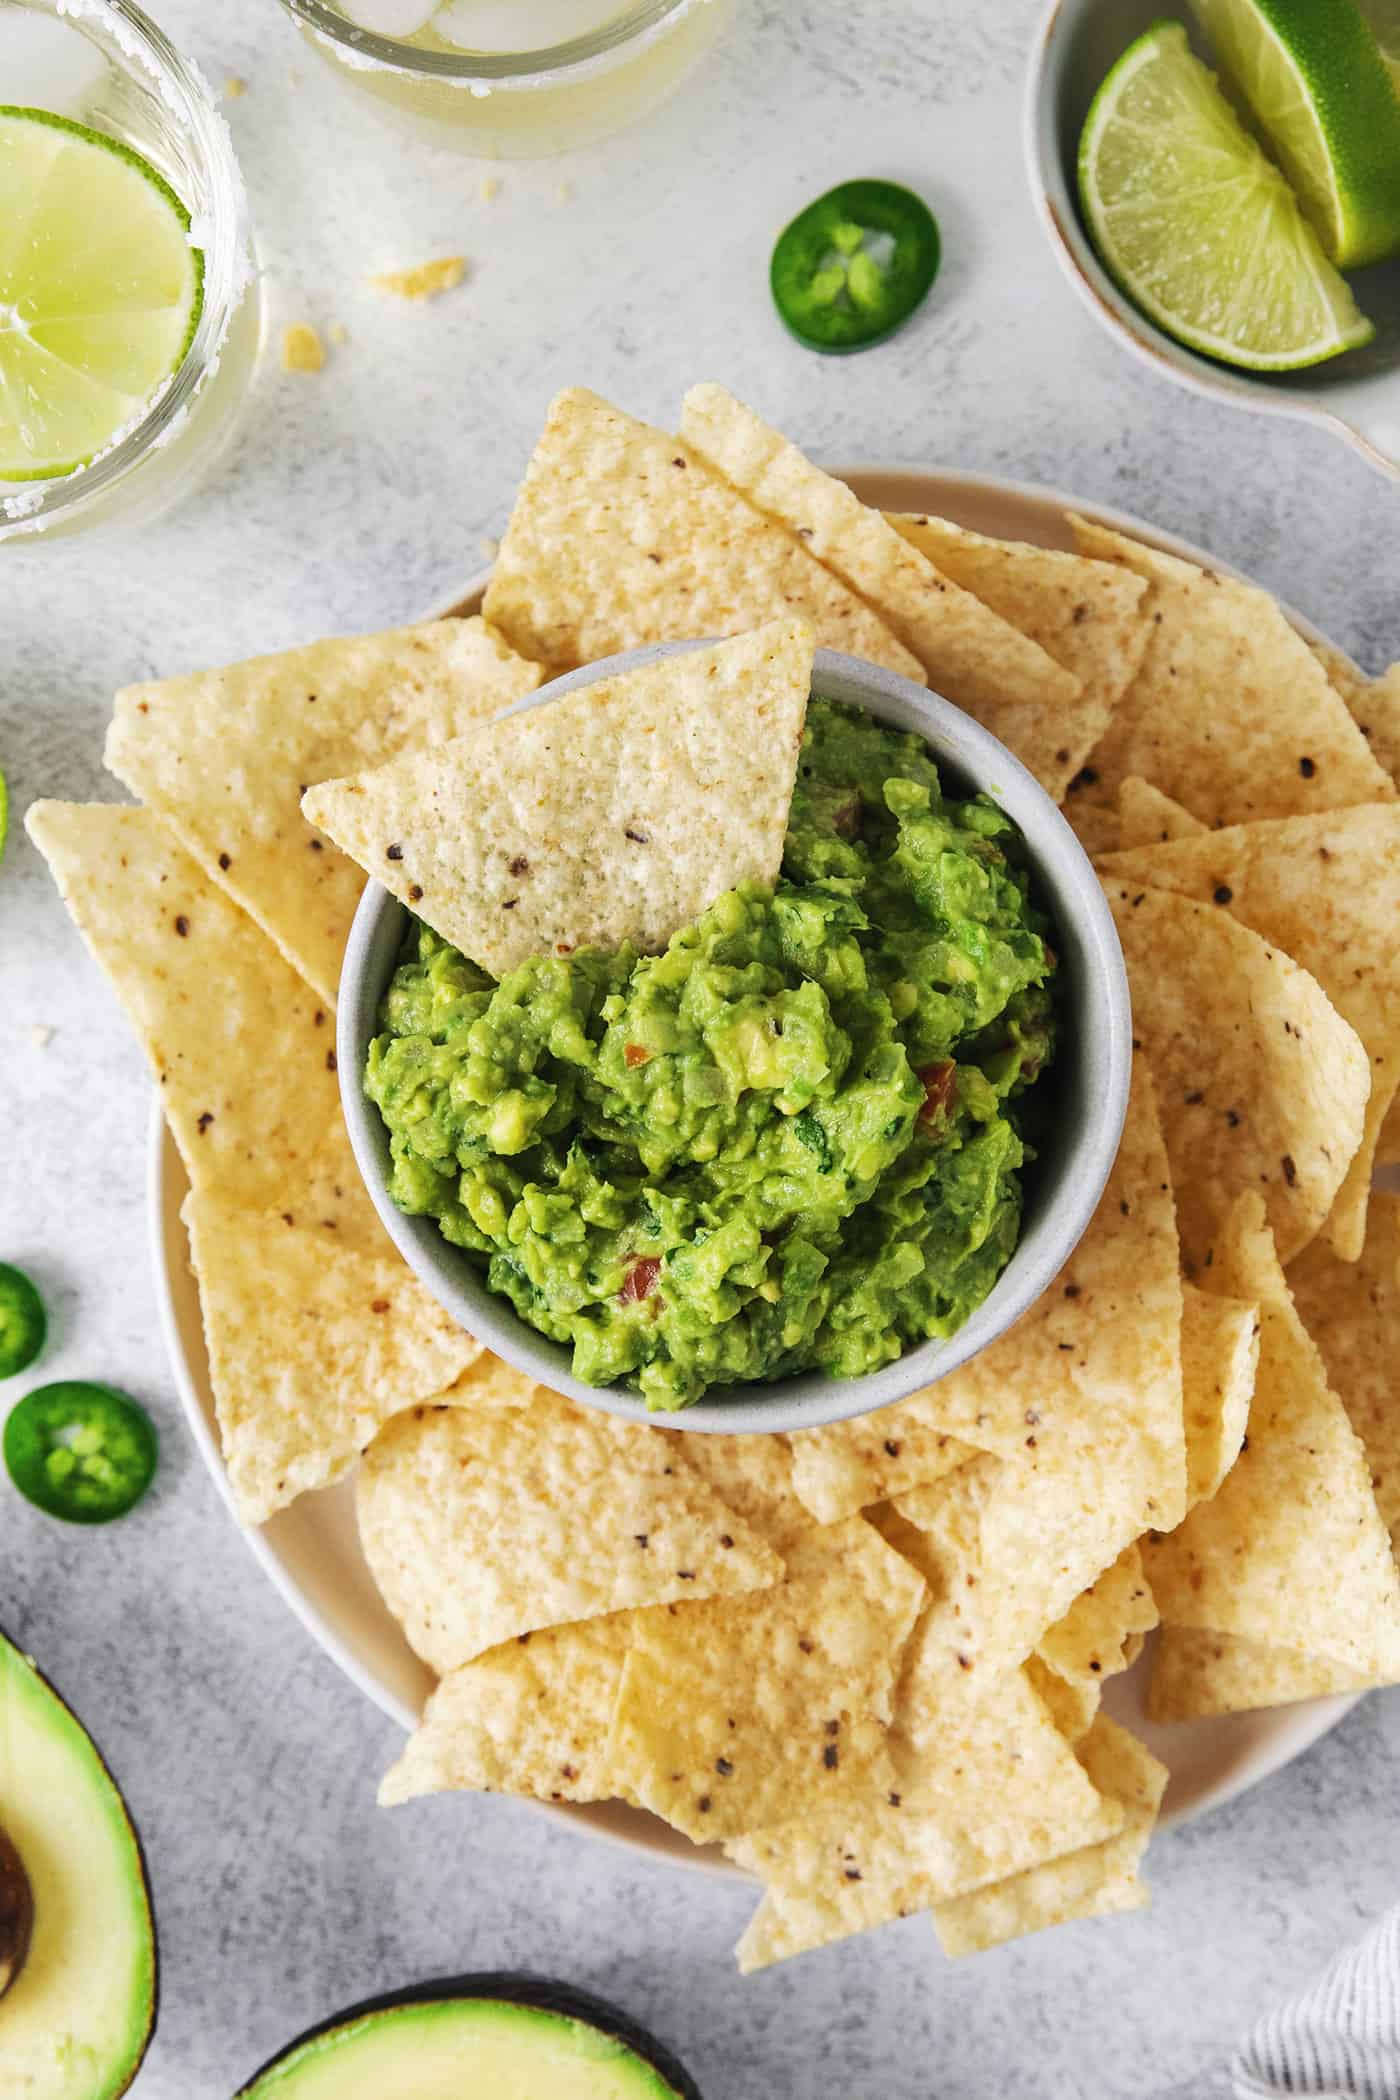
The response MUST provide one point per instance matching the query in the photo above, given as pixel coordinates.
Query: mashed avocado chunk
(792, 1140)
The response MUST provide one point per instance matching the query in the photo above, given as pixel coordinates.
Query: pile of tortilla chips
(867, 1659)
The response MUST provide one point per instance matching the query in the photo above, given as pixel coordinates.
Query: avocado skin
(51, 1688)
(510, 1987)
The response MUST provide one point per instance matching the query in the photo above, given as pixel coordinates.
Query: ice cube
(496, 26)
(389, 17)
(48, 64)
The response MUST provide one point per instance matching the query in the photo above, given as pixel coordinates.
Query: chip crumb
(490, 188)
(338, 334)
(302, 348)
(235, 86)
(41, 1035)
(490, 546)
(425, 280)
(564, 192)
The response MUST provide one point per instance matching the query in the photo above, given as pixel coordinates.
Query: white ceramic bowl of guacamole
(1085, 1088)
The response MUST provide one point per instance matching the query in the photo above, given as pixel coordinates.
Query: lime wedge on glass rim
(100, 291)
(1196, 223)
(1312, 73)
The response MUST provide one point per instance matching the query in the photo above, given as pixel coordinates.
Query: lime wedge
(1197, 224)
(1313, 75)
(100, 291)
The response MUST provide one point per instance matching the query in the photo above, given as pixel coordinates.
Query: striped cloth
(1338, 2040)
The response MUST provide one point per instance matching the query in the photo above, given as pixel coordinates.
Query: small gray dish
(1090, 1075)
(1357, 395)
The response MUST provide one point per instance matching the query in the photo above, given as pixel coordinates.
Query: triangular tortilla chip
(752, 1475)
(1147, 817)
(1231, 714)
(312, 1346)
(846, 1466)
(1010, 1794)
(530, 1717)
(1085, 614)
(1291, 1551)
(1352, 1312)
(242, 1050)
(480, 1524)
(1096, 1638)
(1197, 1671)
(1325, 889)
(736, 1713)
(1219, 1363)
(971, 656)
(1375, 704)
(1262, 1084)
(1095, 1882)
(615, 814)
(621, 535)
(225, 757)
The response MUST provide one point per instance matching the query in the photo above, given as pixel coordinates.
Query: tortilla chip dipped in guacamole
(792, 1139)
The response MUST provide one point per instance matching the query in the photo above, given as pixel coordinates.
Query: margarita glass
(129, 311)
(513, 79)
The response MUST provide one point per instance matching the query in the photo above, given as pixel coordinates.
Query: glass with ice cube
(513, 79)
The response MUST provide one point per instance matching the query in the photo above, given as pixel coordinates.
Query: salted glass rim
(361, 45)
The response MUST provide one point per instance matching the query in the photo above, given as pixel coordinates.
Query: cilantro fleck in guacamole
(793, 1140)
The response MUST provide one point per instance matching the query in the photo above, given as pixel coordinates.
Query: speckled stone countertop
(359, 498)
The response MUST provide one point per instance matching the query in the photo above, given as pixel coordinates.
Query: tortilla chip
(225, 756)
(846, 1466)
(971, 656)
(615, 814)
(752, 1475)
(621, 535)
(1292, 1550)
(1091, 1642)
(242, 1050)
(1325, 889)
(1375, 708)
(1073, 1706)
(1262, 1084)
(312, 1346)
(1094, 1882)
(1012, 1794)
(480, 1524)
(530, 1717)
(737, 1712)
(1219, 1364)
(1147, 817)
(1352, 1312)
(1230, 714)
(1085, 614)
(1196, 1672)
(1345, 674)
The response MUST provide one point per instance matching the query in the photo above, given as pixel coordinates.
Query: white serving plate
(311, 1551)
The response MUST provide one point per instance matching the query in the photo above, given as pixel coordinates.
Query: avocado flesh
(482, 2047)
(77, 2017)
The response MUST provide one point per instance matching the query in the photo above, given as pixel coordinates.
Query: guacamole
(793, 1140)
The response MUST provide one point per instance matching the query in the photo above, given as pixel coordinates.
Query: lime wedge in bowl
(1314, 76)
(100, 291)
(1197, 225)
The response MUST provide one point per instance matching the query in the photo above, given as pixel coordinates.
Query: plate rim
(1298, 1727)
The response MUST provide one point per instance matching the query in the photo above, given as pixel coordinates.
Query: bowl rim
(1085, 931)
(1057, 210)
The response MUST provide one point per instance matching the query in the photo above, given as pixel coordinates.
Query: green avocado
(506, 2039)
(794, 1140)
(77, 1943)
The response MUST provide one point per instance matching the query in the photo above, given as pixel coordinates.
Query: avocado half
(77, 1941)
(496, 2037)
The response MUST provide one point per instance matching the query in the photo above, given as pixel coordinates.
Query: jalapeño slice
(23, 1323)
(854, 265)
(81, 1452)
